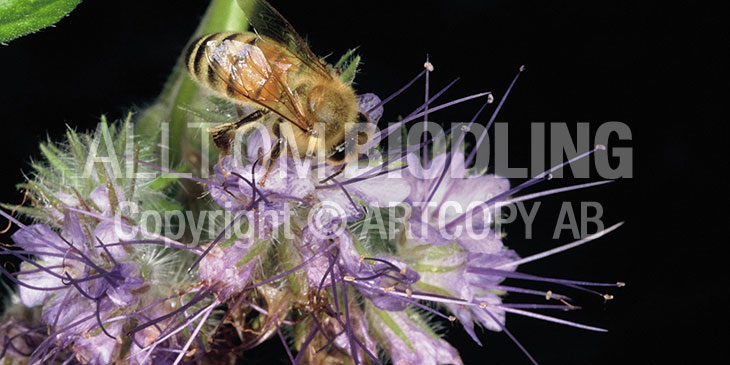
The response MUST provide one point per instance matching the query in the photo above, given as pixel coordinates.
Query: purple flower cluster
(312, 266)
(88, 291)
(364, 263)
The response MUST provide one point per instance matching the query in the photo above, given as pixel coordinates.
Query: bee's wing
(245, 69)
(270, 23)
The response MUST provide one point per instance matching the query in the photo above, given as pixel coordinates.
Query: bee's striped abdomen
(198, 64)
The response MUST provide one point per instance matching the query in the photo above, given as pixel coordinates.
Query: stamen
(144, 242)
(378, 274)
(252, 184)
(536, 306)
(193, 335)
(429, 67)
(357, 208)
(286, 345)
(548, 294)
(411, 117)
(45, 346)
(98, 320)
(392, 266)
(551, 192)
(330, 341)
(509, 334)
(109, 254)
(332, 260)
(407, 119)
(560, 248)
(552, 319)
(307, 341)
(516, 275)
(168, 241)
(393, 95)
(540, 177)
(494, 116)
(350, 334)
(9, 341)
(196, 299)
(447, 164)
(409, 295)
(21, 283)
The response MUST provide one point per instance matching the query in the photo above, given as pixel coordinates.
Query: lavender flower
(79, 286)
(90, 271)
(439, 193)
(410, 340)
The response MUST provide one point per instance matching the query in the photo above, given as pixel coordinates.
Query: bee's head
(352, 142)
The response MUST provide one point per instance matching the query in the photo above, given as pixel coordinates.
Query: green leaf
(163, 181)
(21, 17)
(51, 155)
(347, 66)
(388, 320)
(345, 59)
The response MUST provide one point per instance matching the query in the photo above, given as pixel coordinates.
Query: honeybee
(274, 71)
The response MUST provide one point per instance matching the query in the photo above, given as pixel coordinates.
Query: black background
(653, 66)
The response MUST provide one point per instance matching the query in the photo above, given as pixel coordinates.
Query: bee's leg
(223, 134)
(273, 155)
(222, 154)
(337, 173)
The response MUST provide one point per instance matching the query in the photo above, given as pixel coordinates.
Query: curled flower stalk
(87, 264)
(124, 259)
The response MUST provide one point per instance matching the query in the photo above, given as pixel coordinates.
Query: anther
(409, 292)
(403, 271)
(428, 66)
(452, 318)
(607, 296)
(361, 259)
(548, 295)
(620, 284)
(389, 289)
(483, 305)
(348, 278)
